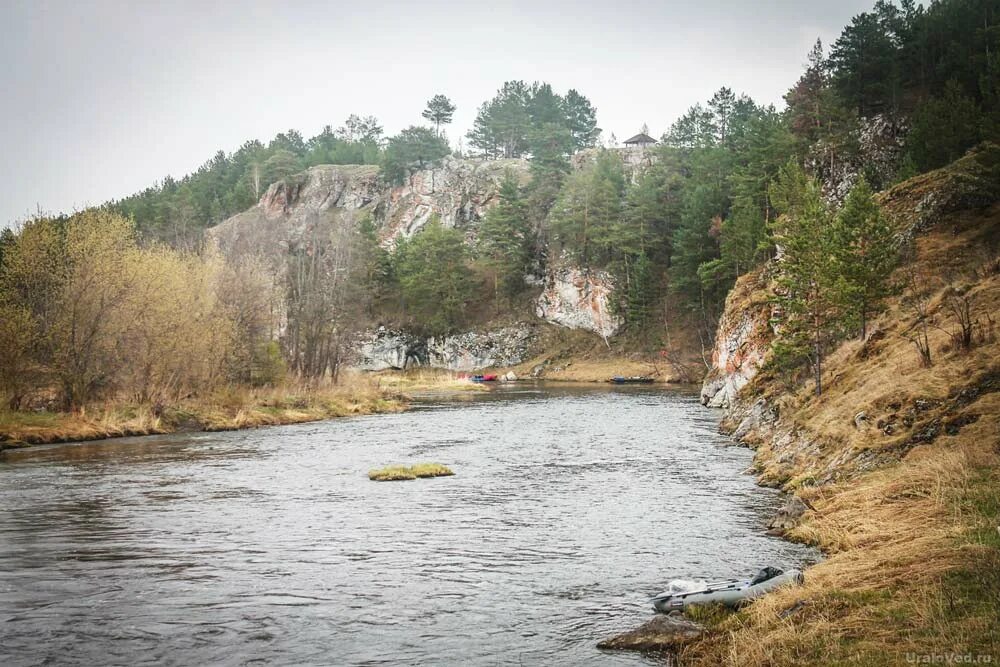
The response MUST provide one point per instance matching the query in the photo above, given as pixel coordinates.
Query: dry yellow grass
(431, 470)
(103, 421)
(911, 522)
(425, 379)
(391, 474)
(912, 569)
(581, 369)
(228, 409)
(401, 473)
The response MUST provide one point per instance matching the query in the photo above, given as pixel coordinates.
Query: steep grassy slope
(898, 461)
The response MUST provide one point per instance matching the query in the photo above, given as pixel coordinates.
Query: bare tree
(959, 302)
(326, 298)
(918, 302)
(255, 177)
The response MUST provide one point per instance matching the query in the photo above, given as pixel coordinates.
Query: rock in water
(788, 516)
(662, 633)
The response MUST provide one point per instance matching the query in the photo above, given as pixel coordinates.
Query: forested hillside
(904, 89)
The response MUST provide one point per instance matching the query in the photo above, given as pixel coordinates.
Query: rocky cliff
(742, 341)
(324, 199)
(932, 210)
(897, 464)
(877, 152)
(578, 299)
(458, 191)
(384, 349)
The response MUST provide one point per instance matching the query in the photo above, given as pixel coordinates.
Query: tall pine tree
(866, 250)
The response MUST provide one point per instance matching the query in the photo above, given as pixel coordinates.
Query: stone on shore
(788, 516)
(662, 633)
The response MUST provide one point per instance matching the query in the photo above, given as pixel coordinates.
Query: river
(570, 507)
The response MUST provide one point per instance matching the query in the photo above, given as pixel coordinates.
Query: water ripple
(570, 507)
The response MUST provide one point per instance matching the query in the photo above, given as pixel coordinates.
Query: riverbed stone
(662, 633)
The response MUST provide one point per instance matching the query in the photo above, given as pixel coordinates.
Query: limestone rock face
(635, 160)
(385, 349)
(742, 341)
(579, 299)
(880, 140)
(459, 191)
(290, 211)
(473, 350)
(476, 350)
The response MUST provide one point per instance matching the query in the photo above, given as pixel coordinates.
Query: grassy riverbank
(900, 464)
(566, 355)
(227, 409)
(912, 569)
(425, 379)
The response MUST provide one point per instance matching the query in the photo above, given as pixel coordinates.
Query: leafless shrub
(985, 330)
(917, 301)
(990, 267)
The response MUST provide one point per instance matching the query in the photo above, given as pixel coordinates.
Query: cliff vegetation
(897, 459)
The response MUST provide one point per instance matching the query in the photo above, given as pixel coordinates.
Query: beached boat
(730, 593)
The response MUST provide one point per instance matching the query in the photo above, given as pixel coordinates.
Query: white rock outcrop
(742, 342)
(458, 191)
(579, 299)
(469, 351)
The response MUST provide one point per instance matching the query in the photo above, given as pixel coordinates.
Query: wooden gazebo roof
(640, 138)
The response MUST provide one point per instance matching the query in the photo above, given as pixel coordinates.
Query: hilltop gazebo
(641, 141)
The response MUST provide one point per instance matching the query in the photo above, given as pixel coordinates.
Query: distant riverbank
(224, 410)
(242, 407)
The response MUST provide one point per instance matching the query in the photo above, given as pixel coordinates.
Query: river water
(569, 509)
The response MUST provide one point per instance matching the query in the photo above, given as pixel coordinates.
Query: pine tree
(435, 281)
(652, 209)
(866, 251)
(502, 124)
(695, 129)
(722, 105)
(581, 119)
(413, 148)
(544, 105)
(439, 111)
(641, 292)
(865, 64)
(551, 146)
(505, 240)
(809, 97)
(943, 128)
(585, 217)
(812, 293)
(282, 164)
(357, 129)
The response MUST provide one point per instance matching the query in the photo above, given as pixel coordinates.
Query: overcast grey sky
(103, 98)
